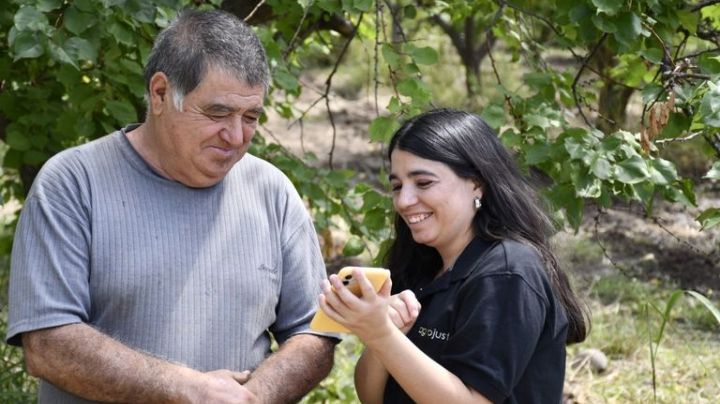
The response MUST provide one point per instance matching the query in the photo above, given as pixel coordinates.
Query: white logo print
(433, 334)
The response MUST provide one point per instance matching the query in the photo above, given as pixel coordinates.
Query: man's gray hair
(199, 40)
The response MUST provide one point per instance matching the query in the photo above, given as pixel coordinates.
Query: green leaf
(410, 12)
(709, 64)
(374, 219)
(30, 19)
(678, 123)
(629, 28)
(424, 56)
(354, 246)
(632, 171)
(688, 19)
(77, 21)
(81, 48)
(651, 92)
(286, 80)
(662, 172)
(48, 5)
(34, 157)
(710, 106)
(17, 140)
(123, 112)
(391, 56)
(609, 7)
(382, 128)
(414, 89)
(604, 24)
(586, 186)
(87, 6)
(714, 173)
(121, 33)
(575, 147)
(362, 5)
(494, 115)
(709, 218)
(26, 46)
(654, 55)
(601, 167)
(563, 197)
(537, 153)
(707, 303)
(61, 56)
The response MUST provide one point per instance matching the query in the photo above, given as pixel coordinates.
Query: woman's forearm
(423, 379)
(370, 379)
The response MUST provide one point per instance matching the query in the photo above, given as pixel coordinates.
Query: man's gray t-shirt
(197, 276)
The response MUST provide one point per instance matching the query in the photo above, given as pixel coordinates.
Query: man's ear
(159, 89)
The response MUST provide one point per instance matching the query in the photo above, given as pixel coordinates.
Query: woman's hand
(367, 316)
(404, 310)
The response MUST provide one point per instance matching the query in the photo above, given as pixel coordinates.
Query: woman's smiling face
(434, 202)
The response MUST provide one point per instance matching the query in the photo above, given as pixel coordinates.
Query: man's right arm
(83, 361)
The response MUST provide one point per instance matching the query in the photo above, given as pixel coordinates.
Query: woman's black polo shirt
(494, 322)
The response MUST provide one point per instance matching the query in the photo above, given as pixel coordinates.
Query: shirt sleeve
(50, 258)
(499, 321)
(303, 268)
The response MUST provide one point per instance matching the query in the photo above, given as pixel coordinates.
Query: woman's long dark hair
(510, 206)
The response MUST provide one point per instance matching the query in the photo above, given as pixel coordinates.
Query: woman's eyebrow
(413, 173)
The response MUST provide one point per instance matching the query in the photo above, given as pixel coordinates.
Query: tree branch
(328, 85)
(579, 73)
(703, 4)
(249, 16)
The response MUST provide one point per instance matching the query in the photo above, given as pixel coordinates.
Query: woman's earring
(477, 202)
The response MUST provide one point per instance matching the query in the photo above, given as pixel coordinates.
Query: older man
(153, 264)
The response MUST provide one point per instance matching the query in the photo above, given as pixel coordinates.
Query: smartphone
(377, 277)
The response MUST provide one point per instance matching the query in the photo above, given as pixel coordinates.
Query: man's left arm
(295, 369)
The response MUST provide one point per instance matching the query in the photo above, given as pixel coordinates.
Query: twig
(696, 54)
(272, 135)
(703, 4)
(680, 139)
(328, 85)
(376, 58)
(249, 16)
(396, 21)
(508, 100)
(605, 252)
(291, 44)
(579, 73)
(379, 22)
(705, 255)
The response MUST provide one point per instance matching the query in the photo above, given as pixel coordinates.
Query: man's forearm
(291, 372)
(87, 363)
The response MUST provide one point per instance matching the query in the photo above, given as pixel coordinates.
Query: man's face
(200, 144)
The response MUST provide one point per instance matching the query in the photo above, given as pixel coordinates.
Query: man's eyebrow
(217, 108)
(224, 108)
(413, 173)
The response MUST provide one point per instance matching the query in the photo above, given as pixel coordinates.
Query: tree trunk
(613, 97)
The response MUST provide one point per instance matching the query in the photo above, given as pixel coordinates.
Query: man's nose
(234, 131)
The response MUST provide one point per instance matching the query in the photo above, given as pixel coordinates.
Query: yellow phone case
(377, 276)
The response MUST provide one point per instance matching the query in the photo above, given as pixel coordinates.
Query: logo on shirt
(433, 334)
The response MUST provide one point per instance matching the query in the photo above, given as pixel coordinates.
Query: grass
(687, 363)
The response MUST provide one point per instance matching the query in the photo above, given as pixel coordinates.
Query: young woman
(471, 246)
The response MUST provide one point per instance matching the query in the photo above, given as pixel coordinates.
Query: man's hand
(404, 309)
(220, 386)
